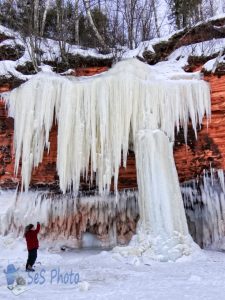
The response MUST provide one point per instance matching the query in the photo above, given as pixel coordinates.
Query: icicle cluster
(66, 216)
(96, 117)
(204, 202)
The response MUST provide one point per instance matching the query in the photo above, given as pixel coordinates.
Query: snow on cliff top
(50, 49)
(51, 52)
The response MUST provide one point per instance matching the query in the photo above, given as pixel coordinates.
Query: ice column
(160, 200)
(162, 232)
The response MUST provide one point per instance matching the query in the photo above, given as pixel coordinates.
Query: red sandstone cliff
(209, 149)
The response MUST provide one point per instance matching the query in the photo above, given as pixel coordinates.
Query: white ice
(95, 117)
(162, 232)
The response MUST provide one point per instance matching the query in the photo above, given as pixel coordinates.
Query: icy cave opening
(98, 119)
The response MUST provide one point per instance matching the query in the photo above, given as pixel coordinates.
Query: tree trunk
(94, 28)
(36, 17)
(31, 43)
(44, 17)
(156, 18)
(61, 31)
(76, 15)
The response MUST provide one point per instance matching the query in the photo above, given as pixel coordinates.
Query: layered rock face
(208, 151)
(201, 166)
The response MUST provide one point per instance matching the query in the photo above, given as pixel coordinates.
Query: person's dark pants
(32, 255)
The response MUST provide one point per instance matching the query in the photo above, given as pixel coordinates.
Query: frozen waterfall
(98, 118)
(162, 232)
(161, 206)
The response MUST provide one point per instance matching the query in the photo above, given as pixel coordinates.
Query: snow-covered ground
(107, 275)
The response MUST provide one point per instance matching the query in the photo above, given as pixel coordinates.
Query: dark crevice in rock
(9, 52)
(26, 69)
(78, 61)
(11, 82)
(4, 37)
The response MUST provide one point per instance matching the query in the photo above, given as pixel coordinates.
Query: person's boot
(30, 269)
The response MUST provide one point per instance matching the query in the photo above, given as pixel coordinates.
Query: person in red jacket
(32, 245)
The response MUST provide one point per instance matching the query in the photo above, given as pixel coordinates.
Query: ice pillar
(162, 232)
(160, 201)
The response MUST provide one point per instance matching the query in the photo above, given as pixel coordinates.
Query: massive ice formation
(97, 119)
(204, 202)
